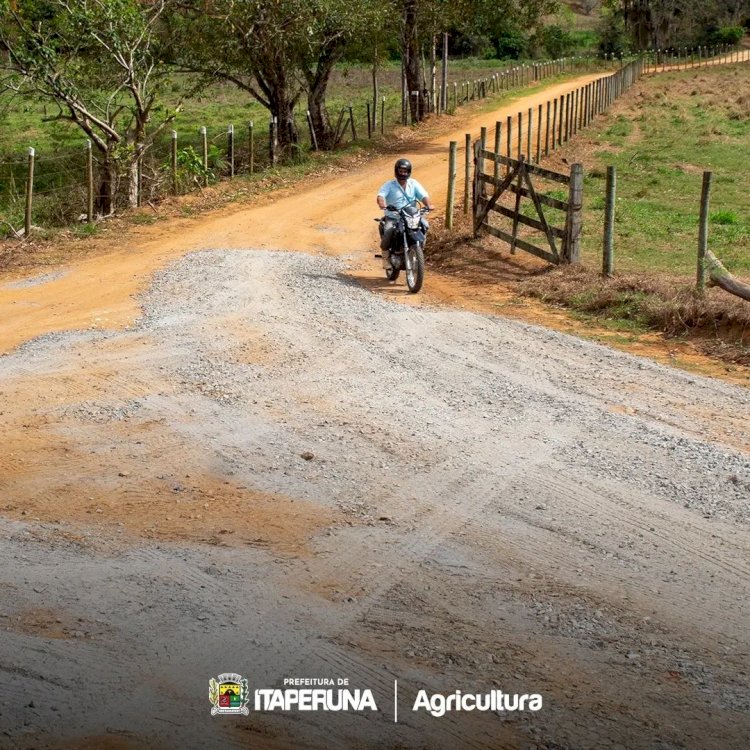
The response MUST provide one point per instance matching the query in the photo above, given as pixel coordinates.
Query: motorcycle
(407, 245)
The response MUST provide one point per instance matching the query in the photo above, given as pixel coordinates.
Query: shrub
(724, 35)
(511, 43)
(555, 41)
(724, 217)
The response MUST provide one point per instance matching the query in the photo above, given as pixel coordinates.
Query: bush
(613, 38)
(724, 35)
(511, 43)
(475, 45)
(555, 41)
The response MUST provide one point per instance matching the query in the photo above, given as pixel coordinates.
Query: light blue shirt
(399, 197)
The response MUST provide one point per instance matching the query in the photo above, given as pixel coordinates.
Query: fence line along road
(186, 169)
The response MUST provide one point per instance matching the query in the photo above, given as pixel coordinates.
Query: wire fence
(51, 189)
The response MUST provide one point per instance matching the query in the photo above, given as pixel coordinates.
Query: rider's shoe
(387, 260)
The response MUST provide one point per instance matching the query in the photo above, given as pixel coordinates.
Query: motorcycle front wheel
(415, 276)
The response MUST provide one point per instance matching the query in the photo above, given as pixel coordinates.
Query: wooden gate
(560, 244)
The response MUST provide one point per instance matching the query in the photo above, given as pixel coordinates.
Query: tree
(245, 42)
(668, 23)
(332, 25)
(97, 61)
(275, 51)
(423, 19)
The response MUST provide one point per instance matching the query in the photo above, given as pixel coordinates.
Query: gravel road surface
(279, 473)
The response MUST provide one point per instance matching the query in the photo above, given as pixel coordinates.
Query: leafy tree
(246, 42)
(669, 23)
(97, 61)
(332, 26)
(512, 43)
(555, 40)
(724, 34)
(496, 20)
(613, 36)
(277, 51)
(508, 23)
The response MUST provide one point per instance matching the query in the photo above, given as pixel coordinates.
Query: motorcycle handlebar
(390, 207)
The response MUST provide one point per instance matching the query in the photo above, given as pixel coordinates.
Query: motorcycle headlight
(413, 221)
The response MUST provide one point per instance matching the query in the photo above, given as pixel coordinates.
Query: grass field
(60, 157)
(661, 138)
(23, 124)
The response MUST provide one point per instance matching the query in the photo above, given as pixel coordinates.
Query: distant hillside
(585, 12)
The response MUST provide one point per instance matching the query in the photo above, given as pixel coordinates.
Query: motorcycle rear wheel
(392, 275)
(415, 277)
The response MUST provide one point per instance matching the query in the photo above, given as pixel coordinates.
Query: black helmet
(402, 164)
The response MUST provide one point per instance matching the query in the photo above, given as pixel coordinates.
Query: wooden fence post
(519, 137)
(230, 149)
(475, 206)
(539, 134)
(351, 122)
(546, 136)
(29, 194)
(204, 149)
(498, 141)
(560, 122)
(314, 138)
(467, 173)
(517, 210)
(89, 184)
(251, 146)
(508, 140)
(369, 121)
(529, 126)
(451, 185)
(609, 222)
(703, 231)
(482, 146)
(444, 76)
(573, 224)
(174, 162)
(273, 142)
(382, 116)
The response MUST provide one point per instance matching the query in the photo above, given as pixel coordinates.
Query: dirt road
(220, 456)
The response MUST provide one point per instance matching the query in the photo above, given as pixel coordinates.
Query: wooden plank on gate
(481, 215)
(533, 168)
(521, 169)
(521, 244)
(537, 204)
(545, 199)
(528, 221)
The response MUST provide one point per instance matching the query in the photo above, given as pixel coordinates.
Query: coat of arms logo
(228, 694)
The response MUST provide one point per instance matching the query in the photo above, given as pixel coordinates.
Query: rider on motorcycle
(398, 193)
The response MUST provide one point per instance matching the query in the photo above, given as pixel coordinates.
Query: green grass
(59, 145)
(223, 104)
(681, 124)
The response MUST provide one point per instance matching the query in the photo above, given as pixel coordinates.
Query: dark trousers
(387, 228)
